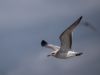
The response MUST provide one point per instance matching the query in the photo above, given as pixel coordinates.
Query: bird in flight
(65, 50)
(89, 25)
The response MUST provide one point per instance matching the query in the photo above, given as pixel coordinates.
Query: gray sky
(24, 23)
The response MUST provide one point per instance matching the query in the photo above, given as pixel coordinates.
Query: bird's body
(64, 51)
(65, 55)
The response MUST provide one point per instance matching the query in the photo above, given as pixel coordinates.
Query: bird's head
(52, 54)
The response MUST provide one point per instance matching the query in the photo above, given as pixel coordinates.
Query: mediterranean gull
(64, 51)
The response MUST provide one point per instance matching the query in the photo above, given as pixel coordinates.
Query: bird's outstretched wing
(66, 36)
(45, 44)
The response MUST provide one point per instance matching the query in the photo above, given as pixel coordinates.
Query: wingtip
(81, 17)
(43, 43)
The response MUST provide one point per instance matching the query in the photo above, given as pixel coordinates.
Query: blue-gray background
(24, 23)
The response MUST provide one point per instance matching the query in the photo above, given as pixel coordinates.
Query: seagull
(89, 25)
(65, 50)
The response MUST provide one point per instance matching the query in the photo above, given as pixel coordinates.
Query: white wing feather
(66, 36)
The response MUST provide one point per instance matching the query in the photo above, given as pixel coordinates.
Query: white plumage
(64, 51)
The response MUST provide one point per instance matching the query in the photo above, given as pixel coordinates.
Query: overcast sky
(24, 23)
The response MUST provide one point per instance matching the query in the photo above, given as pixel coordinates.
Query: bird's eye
(53, 53)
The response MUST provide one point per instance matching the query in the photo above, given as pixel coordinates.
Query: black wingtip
(43, 43)
(81, 17)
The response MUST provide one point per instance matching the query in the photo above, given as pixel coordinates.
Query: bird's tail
(44, 43)
(78, 54)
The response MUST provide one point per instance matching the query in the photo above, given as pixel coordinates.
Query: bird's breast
(61, 55)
